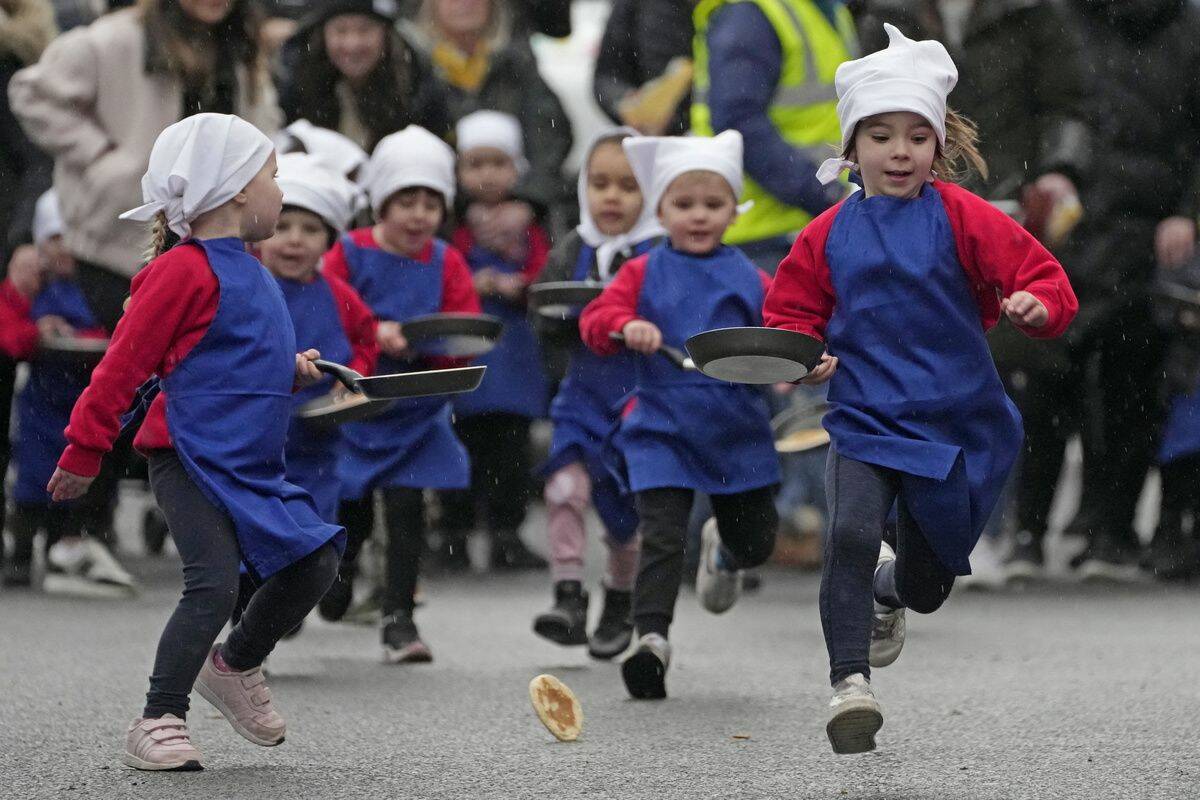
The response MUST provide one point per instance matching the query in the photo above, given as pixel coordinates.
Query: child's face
(410, 218)
(264, 200)
(295, 250)
(54, 258)
(895, 153)
(696, 209)
(613, 195)
(487, 175)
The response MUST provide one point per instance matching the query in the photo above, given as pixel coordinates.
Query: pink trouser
(568, 495)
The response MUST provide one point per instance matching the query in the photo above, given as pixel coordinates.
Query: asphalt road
(1062, 691)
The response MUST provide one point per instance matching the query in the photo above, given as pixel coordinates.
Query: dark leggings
(861, 497)
(501, 476)
(404, 517)
(747, 522)
(208, 546)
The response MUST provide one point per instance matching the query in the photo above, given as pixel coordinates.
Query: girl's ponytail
(961, 154)
(162, 238)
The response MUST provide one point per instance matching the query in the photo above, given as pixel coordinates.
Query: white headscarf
(339, 152)
(646, 226)
(658, 160)
(307, 182)
(906, 76)
(47, 218)
(492, 129)
(198, 164)
(411, 157)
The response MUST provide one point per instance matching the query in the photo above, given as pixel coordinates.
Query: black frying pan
(330, 411)
(452, 334)
(563, 299)
(674, 355)
(405, 384)
(755, 355)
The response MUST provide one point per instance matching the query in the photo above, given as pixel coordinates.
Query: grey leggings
(207, 543)
(861, 497)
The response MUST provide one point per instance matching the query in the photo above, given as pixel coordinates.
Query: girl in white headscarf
(615, 225)
(210, 322)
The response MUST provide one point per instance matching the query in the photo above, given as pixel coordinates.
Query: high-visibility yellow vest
(804, 108)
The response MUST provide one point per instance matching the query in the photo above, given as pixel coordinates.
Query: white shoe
(887, 625)
(104, 567)
(85, 568)
(854, 716)
(717, 588)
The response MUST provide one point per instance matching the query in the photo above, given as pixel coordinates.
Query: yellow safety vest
(804, 108)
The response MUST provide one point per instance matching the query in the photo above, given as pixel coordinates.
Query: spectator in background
(487, 66)
(550, 17)
(97, 100)
(644, 40)
(351, 71)
(1020, 81)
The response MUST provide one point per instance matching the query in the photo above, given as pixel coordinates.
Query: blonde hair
(159, 233)
(959, 158)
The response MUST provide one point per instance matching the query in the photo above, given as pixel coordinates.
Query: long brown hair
(193, 52)
(959, 158)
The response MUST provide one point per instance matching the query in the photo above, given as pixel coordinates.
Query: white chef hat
(307, 182)
(47, 218)
(658, 160)
(492, 129)
(906, 76)
(339, 152)
(198, 164)
(408, 158)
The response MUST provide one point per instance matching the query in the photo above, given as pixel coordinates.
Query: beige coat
(91, 105)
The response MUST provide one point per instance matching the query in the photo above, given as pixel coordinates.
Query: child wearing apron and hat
(685, 432)
(615, 225)
(327, 316)
(209, 320)
(901, 280)
(401, 270)
(494, 420)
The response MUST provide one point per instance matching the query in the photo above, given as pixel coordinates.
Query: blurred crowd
(1089, 120)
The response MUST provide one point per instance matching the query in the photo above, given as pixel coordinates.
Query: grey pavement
(1065, 691)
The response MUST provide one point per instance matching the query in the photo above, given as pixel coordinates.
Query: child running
(685, 432)
(494, 420)
(901, 280)
(210, 321)
(615, 225)
(401, 270)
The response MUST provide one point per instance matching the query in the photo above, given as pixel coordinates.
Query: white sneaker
(104, 567)
(717, 588)
(887, 625)
(85, 568)
(854, 716)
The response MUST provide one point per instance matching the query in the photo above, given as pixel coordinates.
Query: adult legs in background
(1174, 554)
(8, 377)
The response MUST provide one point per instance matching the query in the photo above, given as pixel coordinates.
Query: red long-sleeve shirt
(172, 302)
(617, 306)
(998, 256)
(18, 331)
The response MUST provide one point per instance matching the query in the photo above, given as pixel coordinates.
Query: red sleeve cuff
(81, 461)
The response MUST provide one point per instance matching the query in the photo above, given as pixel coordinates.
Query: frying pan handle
(673, 354)
(347, 377)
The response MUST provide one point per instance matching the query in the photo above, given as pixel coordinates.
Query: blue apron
(312, 451)
(586, 409)
(228, 405)
(686, 429)
(515, 382)
(413, 443)
(1181, 434)
(44, 405)
(916, 390)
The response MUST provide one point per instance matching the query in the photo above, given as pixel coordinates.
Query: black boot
(510, 553)
(566, 622)
(614, 631)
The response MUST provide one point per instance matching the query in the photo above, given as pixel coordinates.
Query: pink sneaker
(160, 744)
(244, 699)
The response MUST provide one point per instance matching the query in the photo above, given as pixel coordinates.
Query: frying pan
(673, 354)
(452, 334)
(563, 299)
(405, 384)
(329, 411)
(81, 350)
(755, 355)
(797, 429)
